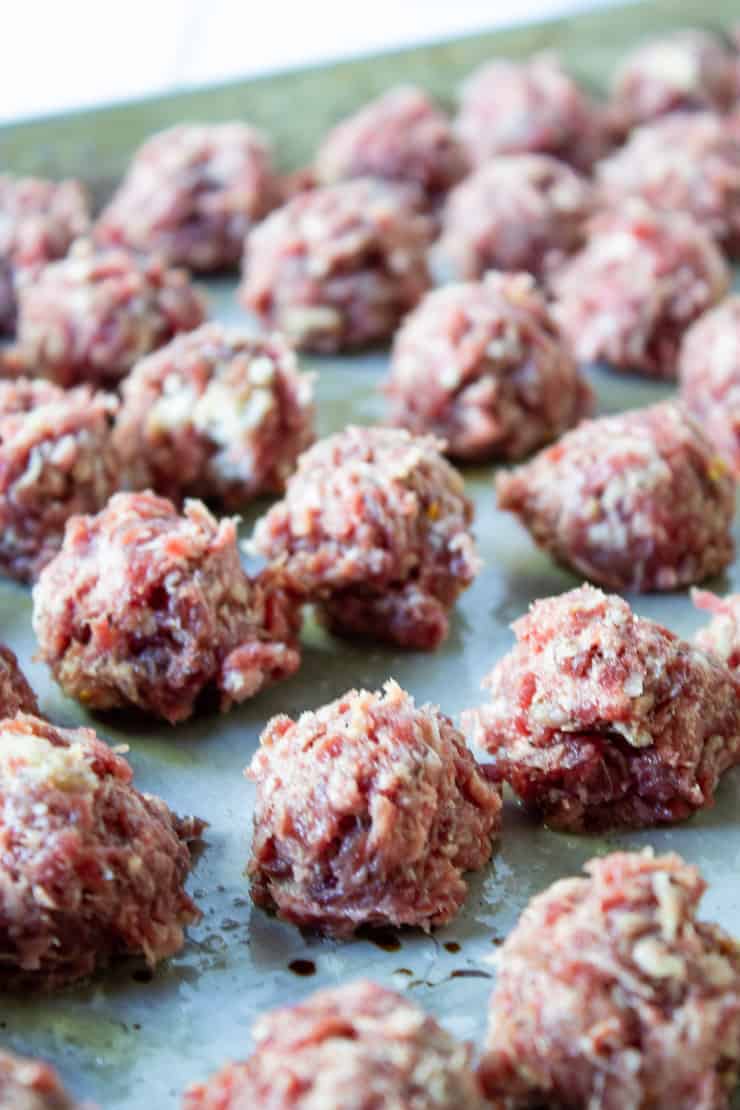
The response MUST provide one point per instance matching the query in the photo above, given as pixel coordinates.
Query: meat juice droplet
(303, 968)
(381, 938)
(452, 946)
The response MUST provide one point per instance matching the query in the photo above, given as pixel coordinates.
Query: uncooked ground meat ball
(375, 527)
(368, 812)
(191, 194)
(215, 414)
(721, 637)
(39, 220)
(641, 279)
(30, 1085)
(687, 161)
(511, 107)
(338, 267)
(357, 1046)
(709, 375)
(637, 501)
(611, 993)
(16, 696)
(400, 136)
(482, 366)
(56, 459)
(90, 868)
(517, 212)
(685, 69)
(91, 316)
(599, 718)
(144, 607)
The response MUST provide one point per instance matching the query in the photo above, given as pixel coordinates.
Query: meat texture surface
(709, 377)
(630, 293)
(147, 608)
(191, 194)
(400, 136)
(90, 868)
(599, 718)
(482, 366)
(337, 267)
(369, 810)
(375, 528)
(516, 212)
(56, 459)
(91, 316)
(358, 1047)
(637, 501)
(215, 414)
(632, 1002)
(532, 106)
(31, 1085)
(719, 638)
(16, 695)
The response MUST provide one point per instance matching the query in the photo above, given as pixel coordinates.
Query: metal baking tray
(129, 1040)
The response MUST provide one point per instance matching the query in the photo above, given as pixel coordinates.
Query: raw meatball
(215, 414)
(482, 366)
(641, 279)
(599, 718)
(56, 459)
(685, 69)
(358, 1046)
(31, 1085)
(338, 267)
(511, 107)
(638, 501)
(368, 812)
(632, 1002)
(90, 869)
(191, 194)
(91, 316)
(709, 374)
(517, 212)
(687, 161)
(16, 696)
(375, 527)
(400, 136)
(39, 220)
(144, 607)
(721, 637)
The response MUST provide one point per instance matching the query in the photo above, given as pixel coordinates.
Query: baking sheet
(128, 1040)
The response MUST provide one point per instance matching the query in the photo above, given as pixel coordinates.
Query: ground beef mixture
(721, 637)
(516, 212)
(16, 695)
(692, 69)
(143, 607)
(686, 161)
(368, 812)
(598, 718)
(191, 194)
(637, 501)
(641, 279)
(56, 459)
(400, 136)
(357, 1046)
(481, 365)
(337, 267)
(90, 869)
(709, 375)
(375, 528)
(30, 1085)
(39, 220)
(91, 316)
(215, 414)
(531, 106)
(632, 1002)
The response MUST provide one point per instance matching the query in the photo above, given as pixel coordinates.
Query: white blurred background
(62, 54)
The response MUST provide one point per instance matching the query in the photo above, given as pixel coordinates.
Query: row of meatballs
(370, 810)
